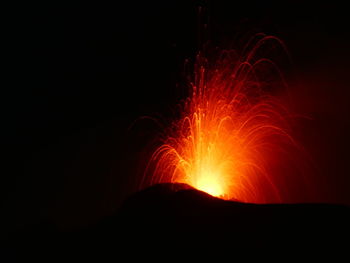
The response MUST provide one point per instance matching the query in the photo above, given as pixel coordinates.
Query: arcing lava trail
(230, 131)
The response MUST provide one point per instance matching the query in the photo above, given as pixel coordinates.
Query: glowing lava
(229, 132)
(210, 184)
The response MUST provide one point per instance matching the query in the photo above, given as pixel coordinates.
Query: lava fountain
(230, 131)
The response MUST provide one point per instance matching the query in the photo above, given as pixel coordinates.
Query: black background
(78, 76)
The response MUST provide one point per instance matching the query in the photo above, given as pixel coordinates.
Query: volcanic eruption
(230, 130)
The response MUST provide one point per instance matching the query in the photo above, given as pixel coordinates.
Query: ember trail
(230, 130)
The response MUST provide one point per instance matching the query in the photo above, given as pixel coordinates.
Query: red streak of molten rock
(229, 131)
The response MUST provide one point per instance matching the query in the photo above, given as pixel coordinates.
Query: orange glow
(210, 184)
(229, 131)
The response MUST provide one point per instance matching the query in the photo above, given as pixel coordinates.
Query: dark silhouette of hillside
(176, 216)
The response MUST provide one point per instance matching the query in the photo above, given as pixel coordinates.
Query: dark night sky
(81, 74)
